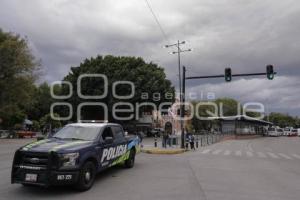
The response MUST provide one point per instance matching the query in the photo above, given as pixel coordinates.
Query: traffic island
(162, 151)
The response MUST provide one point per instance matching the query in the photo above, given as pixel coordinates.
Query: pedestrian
(165, 139)
(187, 140)
(192, 142)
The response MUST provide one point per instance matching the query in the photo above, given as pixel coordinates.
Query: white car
(294, 132)
(272, 132)
(287, 131)
(279, 131)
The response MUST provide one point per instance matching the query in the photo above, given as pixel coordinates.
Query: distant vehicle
(298, 130)
(24, 133)
(273, 132)
(279, 131)
(287, 130)
(294, 132)
(156, 132)
(4, 133)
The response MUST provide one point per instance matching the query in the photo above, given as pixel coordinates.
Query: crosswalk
(250, 154)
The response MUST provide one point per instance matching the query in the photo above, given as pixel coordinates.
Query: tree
(18, 69)
(283, 120)
(46, 122)
(147, 78)
(41, 102)
(228, 106)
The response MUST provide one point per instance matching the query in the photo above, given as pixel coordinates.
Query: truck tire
(129, 163)
(86, 177)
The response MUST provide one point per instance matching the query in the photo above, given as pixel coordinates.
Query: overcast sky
(243, 34)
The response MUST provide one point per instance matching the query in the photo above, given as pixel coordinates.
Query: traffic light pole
(222, 76)
(184, 78)
(182, 110)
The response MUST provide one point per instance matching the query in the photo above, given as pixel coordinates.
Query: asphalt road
(254, 169)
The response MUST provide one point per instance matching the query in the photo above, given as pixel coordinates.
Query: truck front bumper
(45, 178)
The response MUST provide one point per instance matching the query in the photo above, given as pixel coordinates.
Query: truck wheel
(86, 176)
(129, 163)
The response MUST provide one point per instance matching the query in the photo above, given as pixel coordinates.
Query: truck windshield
(77, 133)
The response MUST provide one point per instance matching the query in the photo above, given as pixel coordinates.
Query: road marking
(227, 153)
(273, 155)
(296, 156)
(206, 151)
(285, 156)
(249, 154)
(261, 155)
(238, 153)
(217, 151)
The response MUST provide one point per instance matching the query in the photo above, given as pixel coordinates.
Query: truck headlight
(69, 159)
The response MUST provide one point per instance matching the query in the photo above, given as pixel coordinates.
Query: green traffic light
(270, 72)
(227, 74)
(270, 76)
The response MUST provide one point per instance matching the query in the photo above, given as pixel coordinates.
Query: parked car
(156, 132)
(4, 133)
(294, 132)
(272, 132)
(279, 131)
(24, 133)
(286, 131)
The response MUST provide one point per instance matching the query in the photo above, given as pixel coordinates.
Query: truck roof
(92, 124)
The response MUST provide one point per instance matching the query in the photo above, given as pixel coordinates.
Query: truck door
(119, 137)
(107, 142)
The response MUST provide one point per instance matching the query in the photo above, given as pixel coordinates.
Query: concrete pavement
(230, 170)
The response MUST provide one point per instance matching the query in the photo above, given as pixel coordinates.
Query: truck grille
(34, 160)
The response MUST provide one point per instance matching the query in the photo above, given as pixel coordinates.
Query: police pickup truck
(74, 155)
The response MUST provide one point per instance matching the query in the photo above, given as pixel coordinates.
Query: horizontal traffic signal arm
(222, 76)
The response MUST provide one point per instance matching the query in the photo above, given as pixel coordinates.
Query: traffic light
(228, 74)
(270, 72)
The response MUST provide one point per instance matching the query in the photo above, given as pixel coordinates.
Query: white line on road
(261, 155)
(285, 156)
(227, 153)
(296, 156)
(273, 155)
(206, 151)
(217, 151)
(249, 154)
(238, 153)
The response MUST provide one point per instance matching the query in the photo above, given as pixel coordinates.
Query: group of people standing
(189, 139)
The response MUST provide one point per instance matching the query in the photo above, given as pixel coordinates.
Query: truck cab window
(107, 133)
(118, 132)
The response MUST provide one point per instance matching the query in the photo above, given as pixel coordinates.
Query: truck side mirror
(109, 140)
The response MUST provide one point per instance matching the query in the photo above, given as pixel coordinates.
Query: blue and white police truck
(74, 155)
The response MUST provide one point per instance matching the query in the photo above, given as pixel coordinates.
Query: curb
(162, 151)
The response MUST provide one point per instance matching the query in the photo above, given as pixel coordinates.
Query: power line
(157, 21)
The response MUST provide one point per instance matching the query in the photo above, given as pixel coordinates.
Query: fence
(207, 139)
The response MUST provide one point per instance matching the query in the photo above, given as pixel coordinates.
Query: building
(241, 125)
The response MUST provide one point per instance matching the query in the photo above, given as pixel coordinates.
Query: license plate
(31, 177)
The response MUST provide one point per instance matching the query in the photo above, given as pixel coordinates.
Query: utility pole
(178, 52)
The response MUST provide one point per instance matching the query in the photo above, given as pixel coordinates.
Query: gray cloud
(243, 34)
